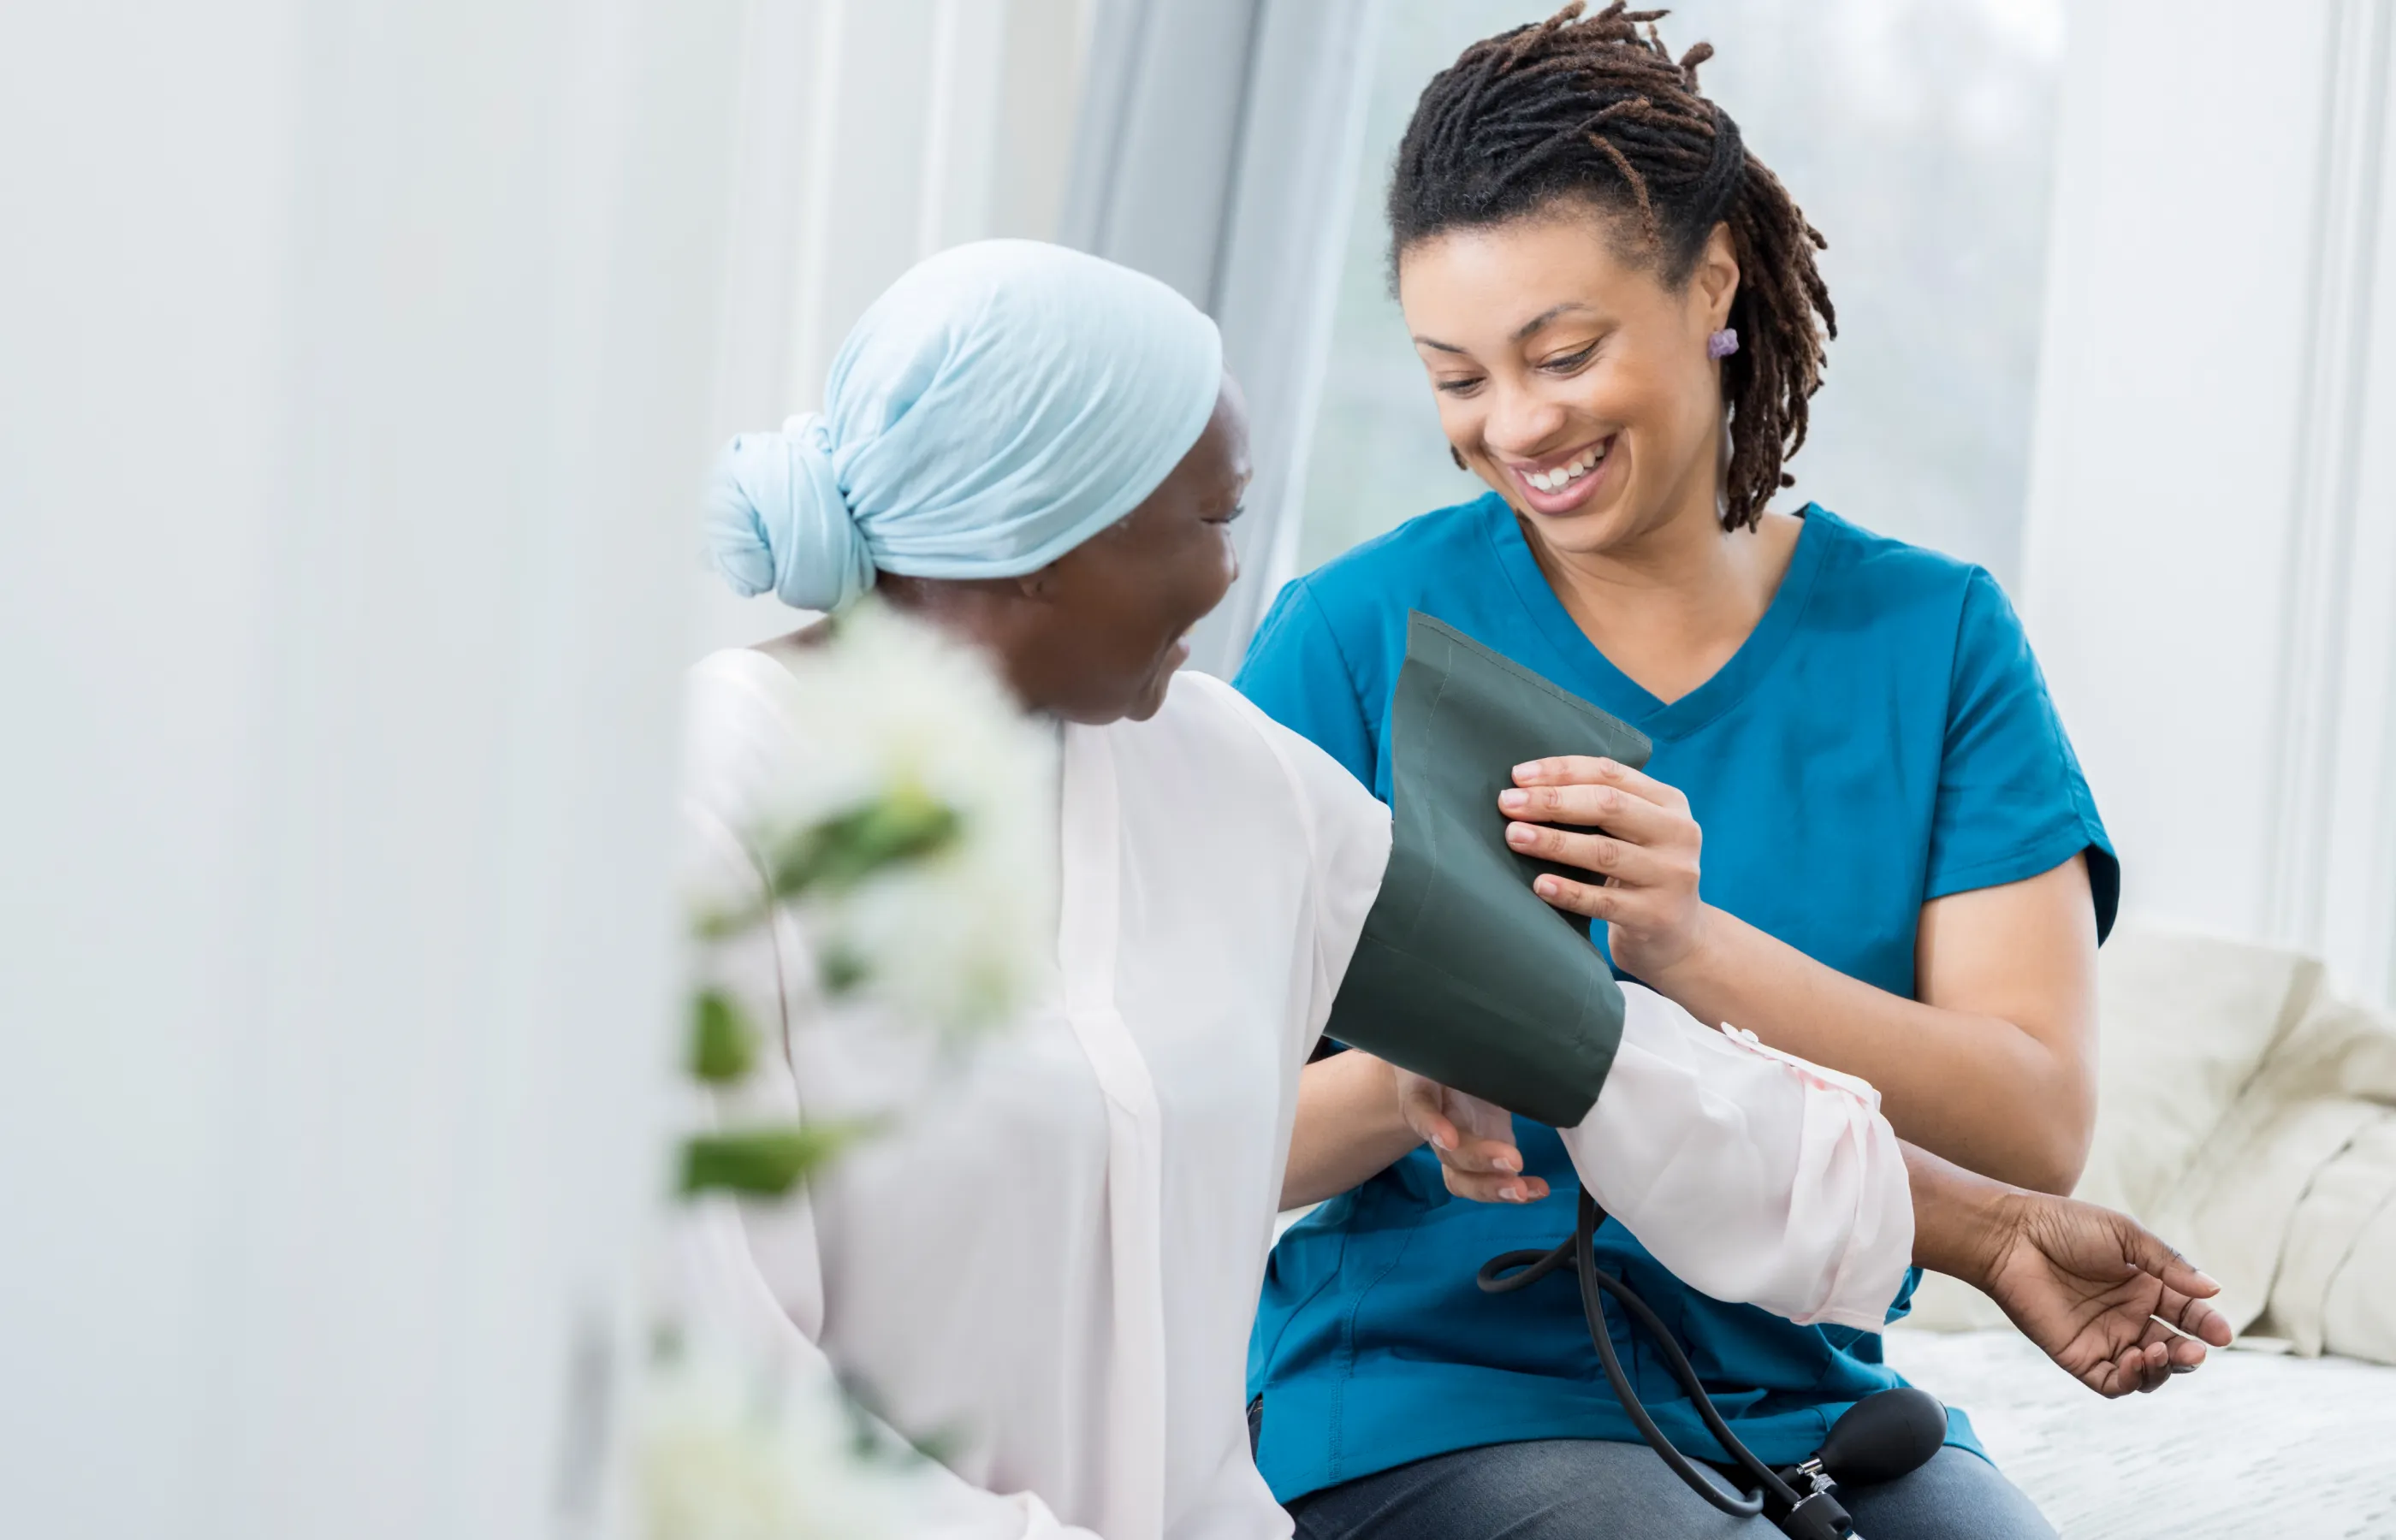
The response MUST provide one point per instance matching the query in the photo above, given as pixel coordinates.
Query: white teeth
(1565, 475)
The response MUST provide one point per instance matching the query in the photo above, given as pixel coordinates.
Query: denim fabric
(1588, 1488)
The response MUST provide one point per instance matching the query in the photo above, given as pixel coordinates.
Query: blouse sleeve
(2011, 799)
(1755, 1177)
(751, 1271)
(1347, 849)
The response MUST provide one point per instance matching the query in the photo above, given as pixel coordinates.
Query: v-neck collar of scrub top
(1594, 674)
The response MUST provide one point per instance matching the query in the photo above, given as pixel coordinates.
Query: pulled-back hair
(1592, 110)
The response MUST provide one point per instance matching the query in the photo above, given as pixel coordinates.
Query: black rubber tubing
(1518, 1270)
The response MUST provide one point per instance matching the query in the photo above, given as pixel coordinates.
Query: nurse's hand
(1641, 848)
(1473, 1140)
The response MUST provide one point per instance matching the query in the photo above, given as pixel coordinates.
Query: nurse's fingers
(1584, 770)
(1630, 864)
(1471, 1134)
(1643, 910)
(1422, 1105)
(1477, 1155)
(1610, 807)
(1459, 1150)
(1608, 904)
(1493, 1189)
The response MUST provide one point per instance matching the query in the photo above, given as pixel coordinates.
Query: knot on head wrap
(777, 519)
(999, 404)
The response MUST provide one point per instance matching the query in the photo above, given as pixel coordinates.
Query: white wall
(355, 385)
(2210, 562)
(873, 133)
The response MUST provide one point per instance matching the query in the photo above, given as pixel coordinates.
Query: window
(1915, 134)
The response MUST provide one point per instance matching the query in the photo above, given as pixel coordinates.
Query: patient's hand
(2082, 1281)
(1473, 1140)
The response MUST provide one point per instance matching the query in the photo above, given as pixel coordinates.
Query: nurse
(1618, 309)
(1051, 1263)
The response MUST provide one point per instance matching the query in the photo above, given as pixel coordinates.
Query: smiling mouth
(1557, 478)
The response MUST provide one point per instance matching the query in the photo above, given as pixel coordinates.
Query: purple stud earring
(1721, 344)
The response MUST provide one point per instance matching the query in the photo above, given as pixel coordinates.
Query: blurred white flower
(724, 1453)
(914, 839)
(958, 939)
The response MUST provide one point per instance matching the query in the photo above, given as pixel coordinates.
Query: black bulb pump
(1884, 1436)
(1878, 1439)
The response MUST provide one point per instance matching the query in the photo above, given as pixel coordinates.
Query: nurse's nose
(1521, 425)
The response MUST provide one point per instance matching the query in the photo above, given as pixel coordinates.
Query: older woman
(1053, 1263)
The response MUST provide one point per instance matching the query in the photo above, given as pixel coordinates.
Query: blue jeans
(1587, 1488)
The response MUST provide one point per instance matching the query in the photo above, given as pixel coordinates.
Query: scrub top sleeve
(2011, 801)
(1298, 673)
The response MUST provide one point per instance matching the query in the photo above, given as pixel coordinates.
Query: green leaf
(842, 968)
(875, 1439)
(764, 1161)
(722, 1045)
(904, 825)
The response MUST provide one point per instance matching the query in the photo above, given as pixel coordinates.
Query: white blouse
(1050, 1266)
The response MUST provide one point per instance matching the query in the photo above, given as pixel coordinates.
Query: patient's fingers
(2151, 1255)
(2149, 1363)
(2153, 1364)
(2196, 1317)
(2135, 1369)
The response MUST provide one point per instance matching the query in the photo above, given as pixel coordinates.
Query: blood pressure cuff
(1463, 974)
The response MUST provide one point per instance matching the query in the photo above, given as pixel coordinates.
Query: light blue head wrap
(1000, 403)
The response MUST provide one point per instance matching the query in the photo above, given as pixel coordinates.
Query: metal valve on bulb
(1882, 1437)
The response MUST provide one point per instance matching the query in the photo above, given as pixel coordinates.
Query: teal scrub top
(1883, 738)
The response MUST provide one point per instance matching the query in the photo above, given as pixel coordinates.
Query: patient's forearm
(1753, 1177)
(1960, 1219)
(1349, 1129)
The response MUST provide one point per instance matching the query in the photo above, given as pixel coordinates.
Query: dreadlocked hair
(1592, 109)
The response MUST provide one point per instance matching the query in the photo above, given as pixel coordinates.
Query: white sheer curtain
(355, 391)
(1217, 150)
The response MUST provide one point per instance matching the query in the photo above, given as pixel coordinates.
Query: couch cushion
(2183, 1022)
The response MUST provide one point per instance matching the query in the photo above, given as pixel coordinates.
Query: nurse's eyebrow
(1535, 323)
(1520, 332)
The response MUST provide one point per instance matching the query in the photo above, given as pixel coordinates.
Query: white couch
(2247, 1113)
